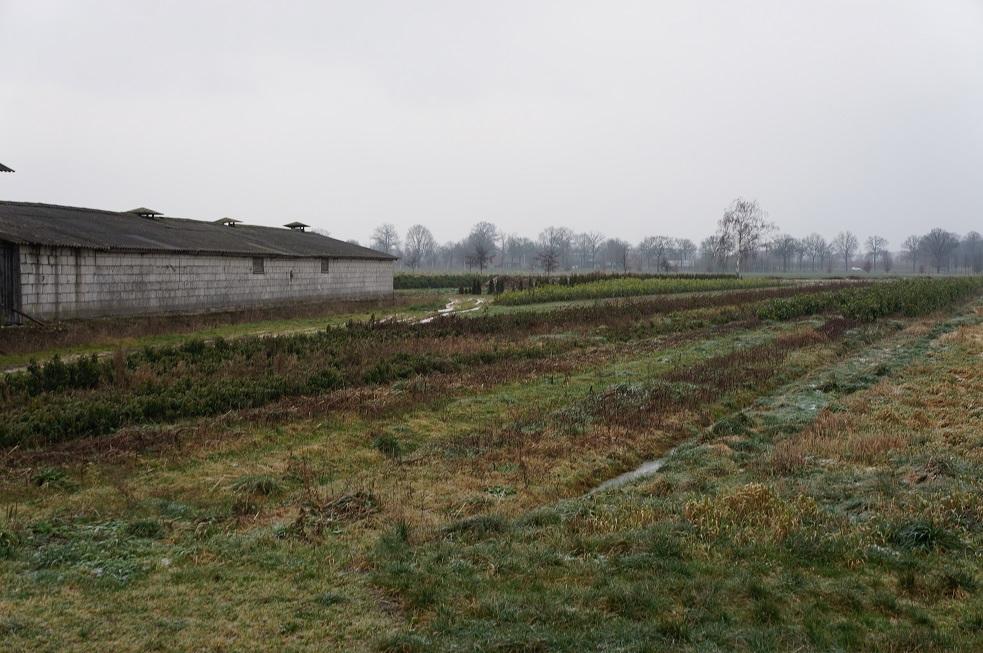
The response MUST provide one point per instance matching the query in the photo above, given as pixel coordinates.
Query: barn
(63, 262)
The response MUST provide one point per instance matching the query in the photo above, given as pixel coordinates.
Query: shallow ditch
(646, 469)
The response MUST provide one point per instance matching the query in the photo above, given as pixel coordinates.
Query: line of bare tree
(745, 241)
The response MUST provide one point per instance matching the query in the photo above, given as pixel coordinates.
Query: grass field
(394, 486)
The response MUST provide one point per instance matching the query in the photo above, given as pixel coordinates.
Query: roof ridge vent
(144, 212)
(297, 226)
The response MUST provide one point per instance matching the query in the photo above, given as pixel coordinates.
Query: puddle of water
(451, 309)
(646, 469)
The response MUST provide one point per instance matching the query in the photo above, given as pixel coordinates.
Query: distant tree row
(745, 241)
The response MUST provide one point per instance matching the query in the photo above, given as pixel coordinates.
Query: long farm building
(61, 262)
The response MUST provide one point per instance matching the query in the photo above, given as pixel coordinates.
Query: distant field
(384, 484)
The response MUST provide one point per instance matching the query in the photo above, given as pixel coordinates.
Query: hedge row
(905, 297)
(62, 400)
(629, 288)
(498, 283)
(58, 417)
(357, 340)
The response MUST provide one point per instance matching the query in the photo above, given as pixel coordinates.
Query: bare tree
(481, 242)
(826, 256)
(446, 255)
(875, 247)
(814, 247)
(687, 248)
(785, 247)
(714, 252)
(645, 252)
(800, 253)
(550, 248)
(419, 246)
(588, 244)
(972, 247)
(564, 236)
(503, 240)
(742, 228)
(912, 245)
(887, 261)
(385, 238)
(617, 252)
(939, 244)
(520, 251)
(655, 247)
(845, 244)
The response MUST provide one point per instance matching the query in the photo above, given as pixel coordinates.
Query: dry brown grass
(837, 437)
(751, 512)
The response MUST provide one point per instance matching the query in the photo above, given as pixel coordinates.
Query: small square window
(258, 267)
(325, 265)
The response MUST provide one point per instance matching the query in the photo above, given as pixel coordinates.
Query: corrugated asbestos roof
(27, 223)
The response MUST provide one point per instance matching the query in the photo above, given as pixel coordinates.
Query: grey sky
(632, 118)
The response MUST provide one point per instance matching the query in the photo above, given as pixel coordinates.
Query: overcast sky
(632, 118)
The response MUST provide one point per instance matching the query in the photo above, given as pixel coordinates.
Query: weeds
(920, 535)
(476, 527)
(257, 485)
(750, 512)
(388, 446)
(326, 514)
(53, 477)
(145, 528)
(9, 543)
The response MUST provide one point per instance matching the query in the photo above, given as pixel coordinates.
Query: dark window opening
(325, 265)
(258, 267)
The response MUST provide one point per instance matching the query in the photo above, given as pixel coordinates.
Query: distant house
(59, 262)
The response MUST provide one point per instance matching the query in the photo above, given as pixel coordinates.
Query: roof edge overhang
(196, 252)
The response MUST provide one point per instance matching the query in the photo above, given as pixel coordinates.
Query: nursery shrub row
(496, 283)
(61, 417)
(421, 281)
(905, 297)
(628, 288)
(69, 400)
(342, 345)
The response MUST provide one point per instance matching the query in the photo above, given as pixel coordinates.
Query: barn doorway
(10, 299)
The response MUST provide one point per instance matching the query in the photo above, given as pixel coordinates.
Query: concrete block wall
(62, 283)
